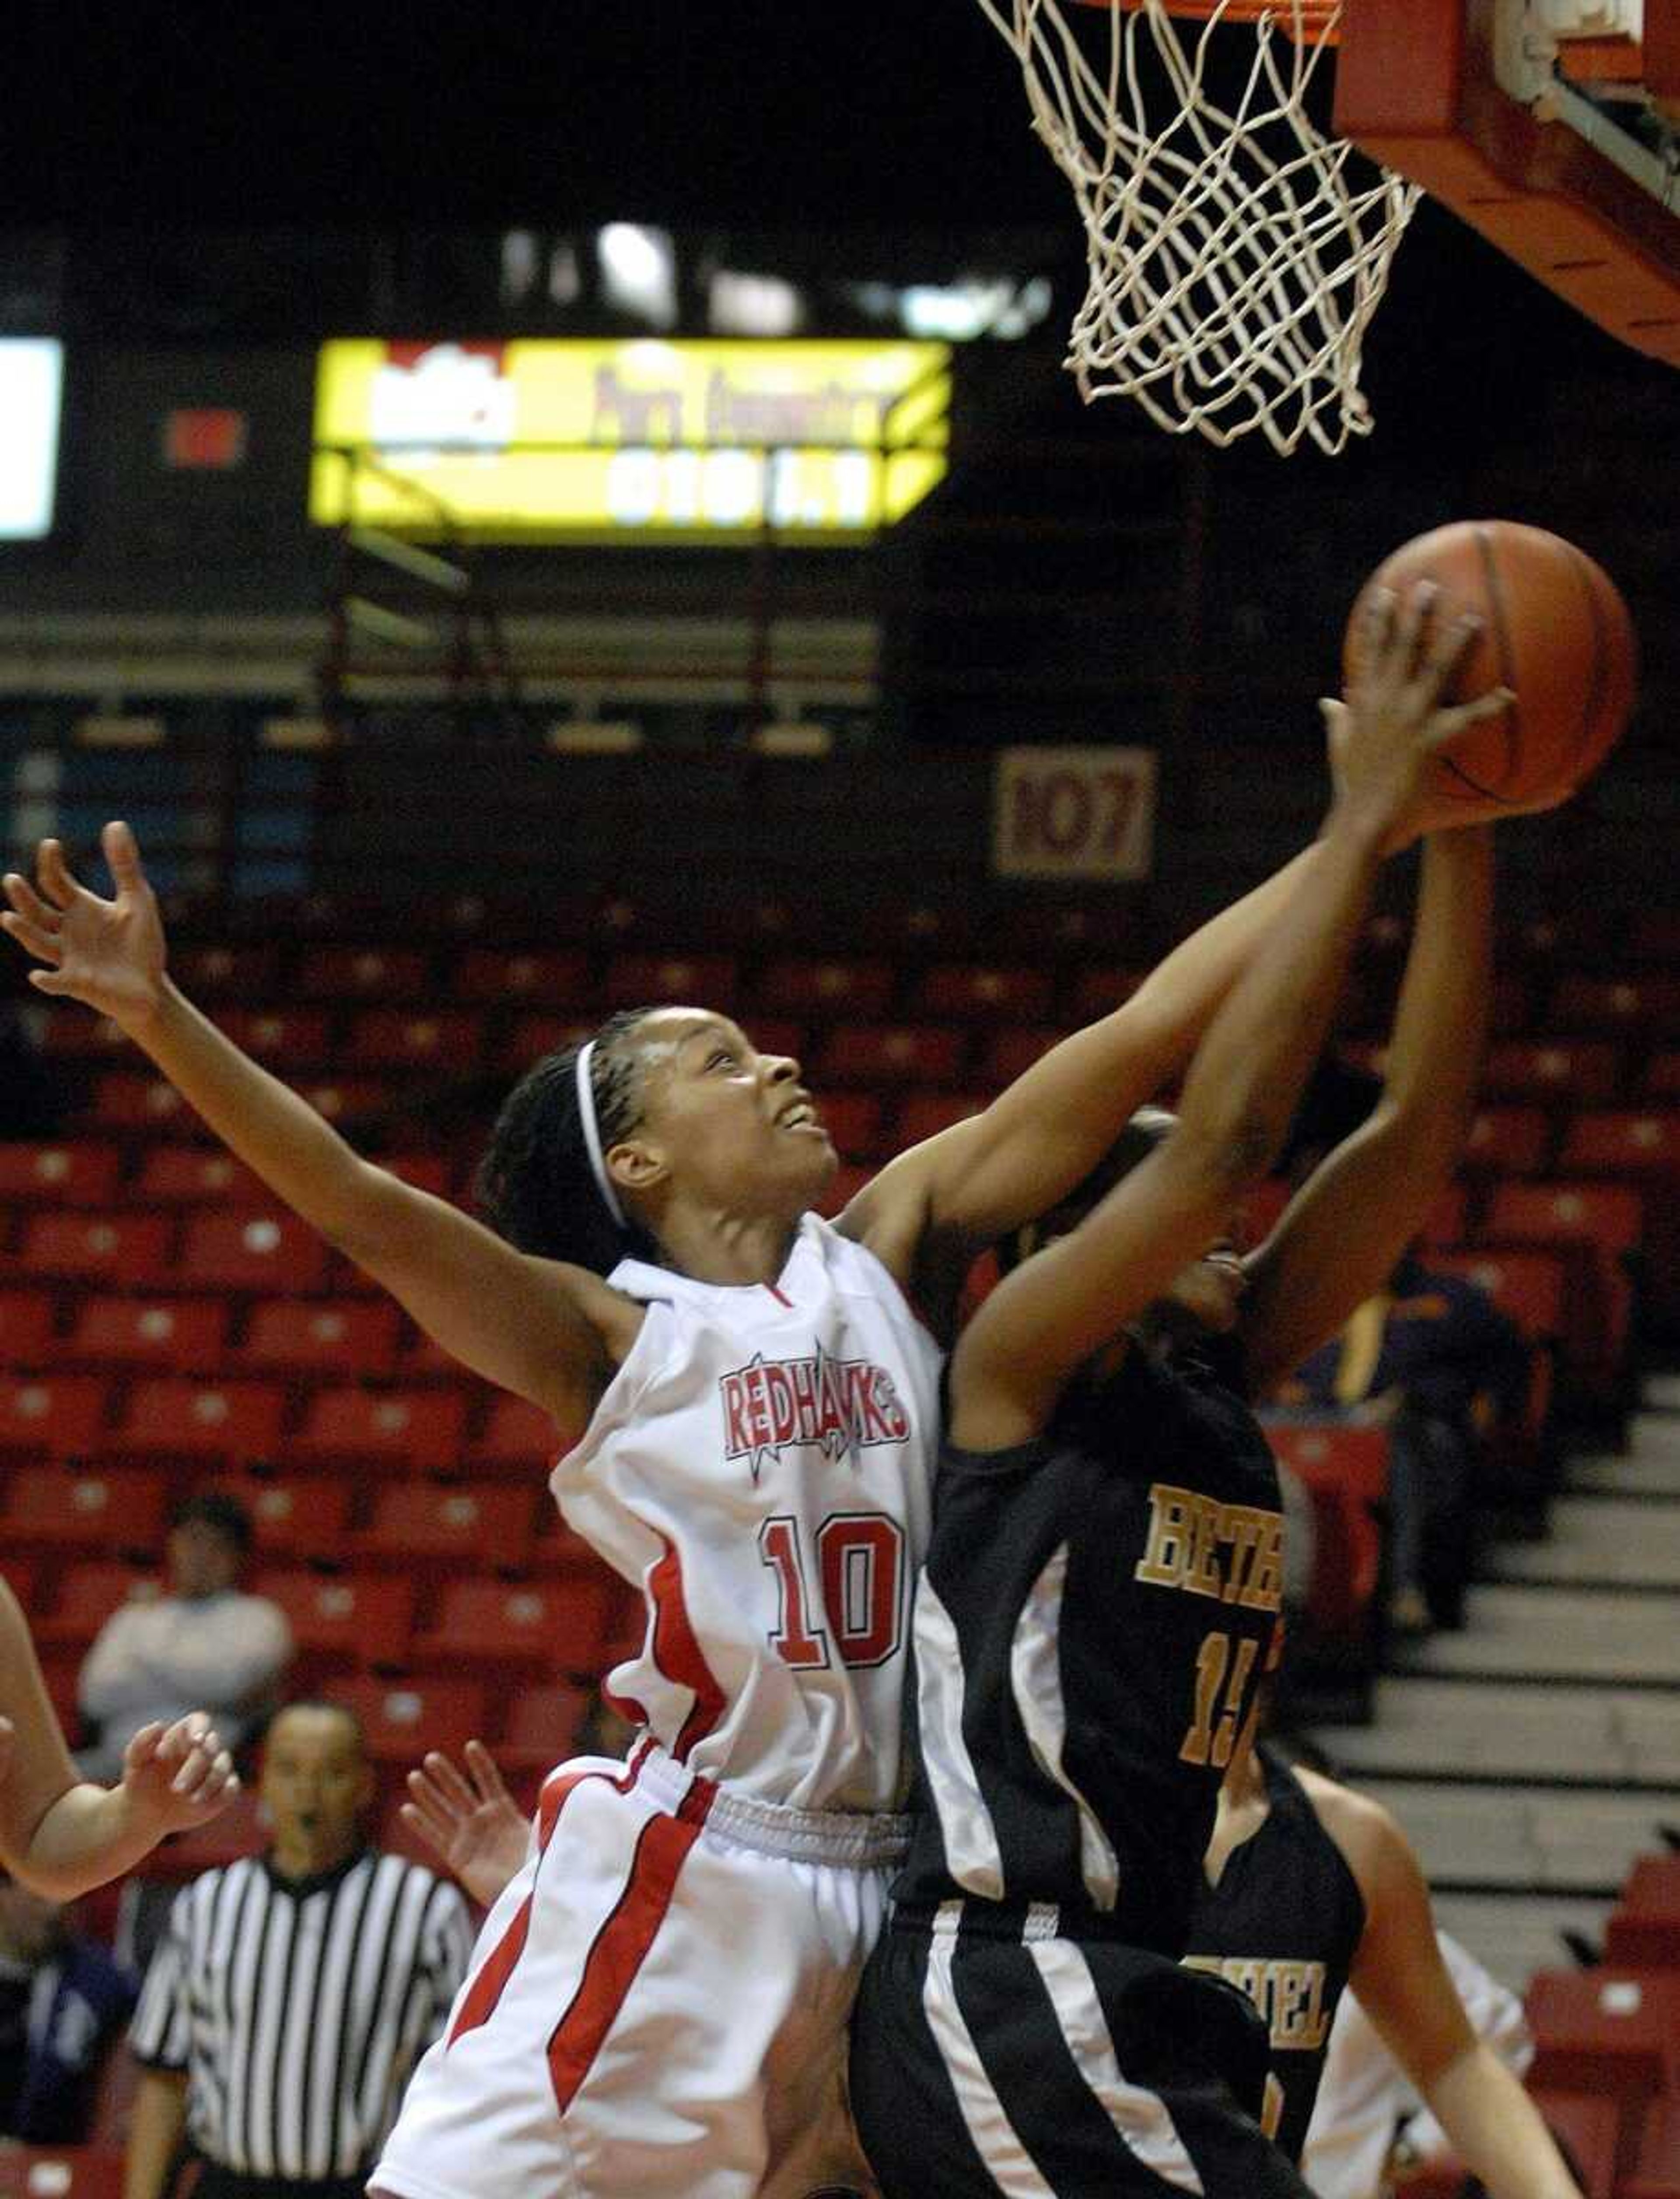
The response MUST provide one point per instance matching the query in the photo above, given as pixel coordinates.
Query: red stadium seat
(542, 1728)
(271, 1252)
(533, 1036)
(112, 1248)
(1553, 1071)
(404, 1717)
(340, 1099)
(1603, 1221)
(1655, 2172)
(79, 1037)
(87, 1594)
(349, 1621)
(183, 1417)
(1589, 2126)
(1012, 1051)
(853, 1122)
(182, 1175)
(362, 973)
(1445, 1222)
(288, 1040)
(1614, 2034)
(517, 1436)
(52, 1507)
(1661, 1079)
(238, 973)
(553, 979)
(1646, 1005)
(883, 1054)
(471, 1527)
(292, 1519)
(25, 1578)
(986, 991)
(696, 981)
(1623, 1141)
(557, 1549)
(801, 986)
(66, 2171)
(410, 1431)
(76, 1175)
(1644, 1931)
(27, 1328)
(1345, 1471)
(925, 1114)
(555, 1626)
(51, 1415)
(340, 1336)
(409, 1039)
(149, 1332)
(129, 1100)
(430, 1172)
(1509, 1140)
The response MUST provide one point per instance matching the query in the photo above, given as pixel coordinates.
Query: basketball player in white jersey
(658, 2002)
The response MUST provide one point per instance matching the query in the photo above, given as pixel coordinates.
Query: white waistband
(856, 1839)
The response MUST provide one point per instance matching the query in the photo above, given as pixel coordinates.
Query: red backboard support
(1416, 89)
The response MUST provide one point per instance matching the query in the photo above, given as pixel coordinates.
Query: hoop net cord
(1235, 254)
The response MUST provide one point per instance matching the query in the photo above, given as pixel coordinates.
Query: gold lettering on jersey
(1230, 1552)
(1289, 1995)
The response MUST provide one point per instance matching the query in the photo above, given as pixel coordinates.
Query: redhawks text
(836, 1405)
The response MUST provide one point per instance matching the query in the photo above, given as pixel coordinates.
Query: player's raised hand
(1383, 736)
(108, 954)
(473, 1822)
(178, 1775)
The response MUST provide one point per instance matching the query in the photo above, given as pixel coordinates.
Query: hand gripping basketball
(1554, 631)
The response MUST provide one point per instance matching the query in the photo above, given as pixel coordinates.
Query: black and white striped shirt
(298, 2007)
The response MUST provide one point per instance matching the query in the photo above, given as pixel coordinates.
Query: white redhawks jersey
(762, 1466)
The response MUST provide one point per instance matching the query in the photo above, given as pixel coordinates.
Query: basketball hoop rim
(1317, 20)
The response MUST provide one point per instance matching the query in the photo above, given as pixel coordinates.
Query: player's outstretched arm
(59, 1834)
(1340, 1236)
(543, 1329)
(1046, 1317)
(1044, 1135)
(1405, 1988)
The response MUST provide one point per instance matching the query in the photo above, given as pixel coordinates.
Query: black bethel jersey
(1283, 1926)
(1094, 1615)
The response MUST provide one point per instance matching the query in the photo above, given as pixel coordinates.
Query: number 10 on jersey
(857, 1569)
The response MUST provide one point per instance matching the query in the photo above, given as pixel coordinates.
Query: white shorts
(657, 2003)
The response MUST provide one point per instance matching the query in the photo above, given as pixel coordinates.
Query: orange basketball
(1555, 631)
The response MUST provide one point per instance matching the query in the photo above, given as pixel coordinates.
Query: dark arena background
(912, 747)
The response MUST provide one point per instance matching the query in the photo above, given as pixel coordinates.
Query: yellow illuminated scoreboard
(703, 442)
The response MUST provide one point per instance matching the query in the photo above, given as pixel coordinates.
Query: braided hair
(536, 1186)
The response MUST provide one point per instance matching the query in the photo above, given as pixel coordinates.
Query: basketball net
(1236, 255)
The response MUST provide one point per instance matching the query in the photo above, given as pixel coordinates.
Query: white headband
(592, 1135)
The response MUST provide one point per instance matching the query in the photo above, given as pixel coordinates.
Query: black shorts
(992, 2054)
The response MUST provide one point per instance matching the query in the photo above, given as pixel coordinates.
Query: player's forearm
(154, 2132)
(86, 1836)
(1441, 1026)
(1042, 1138)
(1496, 2129)
(296, 1152)
(1248, 1072)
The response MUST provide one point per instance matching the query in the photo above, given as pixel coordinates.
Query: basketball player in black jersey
(1312, 1889)
(1105, 1573)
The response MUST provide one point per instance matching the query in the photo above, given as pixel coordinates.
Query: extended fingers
(122, 857)
(489, 1782)
(1448, 722)
(52, 874)
(443, 1775)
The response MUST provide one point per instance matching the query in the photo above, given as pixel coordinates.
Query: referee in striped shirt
(294, 1991)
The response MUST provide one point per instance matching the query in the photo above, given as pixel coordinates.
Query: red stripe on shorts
(478, 2003)
(622, 1943)
(678, 1653)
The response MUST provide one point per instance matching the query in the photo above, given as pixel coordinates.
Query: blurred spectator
(294, 1991)
(62, 1999)
(1434, 1358)
(200, 1646)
